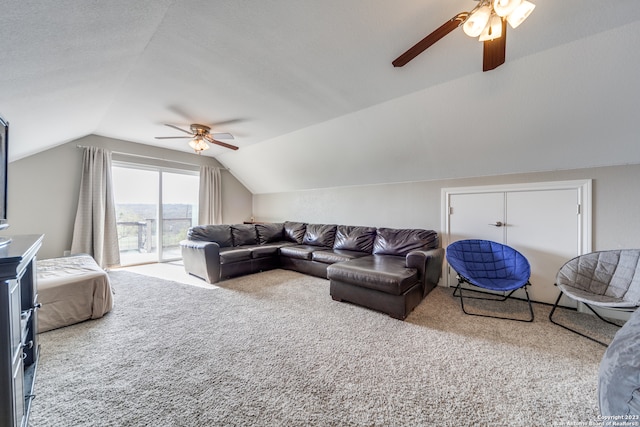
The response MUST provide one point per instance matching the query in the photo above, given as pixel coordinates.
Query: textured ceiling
(308, 89)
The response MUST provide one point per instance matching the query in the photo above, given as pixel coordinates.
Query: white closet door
(543, 226)
(549, 223)
(473, 216)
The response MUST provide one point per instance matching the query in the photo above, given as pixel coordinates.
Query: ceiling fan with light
(200, 135)
(487, 21)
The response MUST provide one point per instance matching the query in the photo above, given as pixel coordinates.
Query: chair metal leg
(575, 331)
(495, 297)
(458, 290)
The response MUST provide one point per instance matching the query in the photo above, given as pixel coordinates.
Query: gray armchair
(605, 279)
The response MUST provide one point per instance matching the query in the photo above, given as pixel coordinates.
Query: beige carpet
(173, 271)
(273, 349)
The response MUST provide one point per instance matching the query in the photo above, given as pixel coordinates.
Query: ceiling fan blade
(495, 50)
(180, 129)
(222, 144)
(222, 135)
(227, 122)
(173, 137)
(426, 42)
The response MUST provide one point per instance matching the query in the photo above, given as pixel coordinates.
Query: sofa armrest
(429, 266)
(201, 259)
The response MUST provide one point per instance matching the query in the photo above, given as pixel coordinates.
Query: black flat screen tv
(4, 161)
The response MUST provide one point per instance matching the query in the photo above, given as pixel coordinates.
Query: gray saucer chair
(604, 279)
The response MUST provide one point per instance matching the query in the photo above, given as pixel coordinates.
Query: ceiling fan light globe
(505, 7)
(477, 21)
(520, 13)
(198, 145)
(493, 30)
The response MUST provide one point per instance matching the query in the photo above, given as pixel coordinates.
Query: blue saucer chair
(490, 266)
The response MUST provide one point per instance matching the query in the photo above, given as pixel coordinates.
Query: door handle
(498, 224)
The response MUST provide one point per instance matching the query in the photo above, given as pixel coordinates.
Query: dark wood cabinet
(18, 328)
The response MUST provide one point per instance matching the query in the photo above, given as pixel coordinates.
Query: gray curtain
(95, 231)
(210, 206)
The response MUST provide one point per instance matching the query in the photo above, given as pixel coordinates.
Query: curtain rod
(152, 158)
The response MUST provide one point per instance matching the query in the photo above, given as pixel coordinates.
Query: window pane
(136, 198)
(179, 211)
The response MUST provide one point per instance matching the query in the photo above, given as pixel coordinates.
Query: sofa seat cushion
(387, 274)
(264, 251)
(234, 254)
(268, 250)
(331, 256)
(299, 251)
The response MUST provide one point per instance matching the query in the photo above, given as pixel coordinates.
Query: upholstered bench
(71, 290)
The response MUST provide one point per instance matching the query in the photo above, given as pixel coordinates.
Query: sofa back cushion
(294, 231)
(391, 241)
(352, 238)
(221, 234)
(320, 235)
(270, 232)
(244, 234)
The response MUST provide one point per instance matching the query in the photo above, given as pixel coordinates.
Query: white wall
(43, 189)
(616, 203)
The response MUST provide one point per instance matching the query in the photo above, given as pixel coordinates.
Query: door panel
(179, 211)
(470, 218)
(136, 199)
(544, 227)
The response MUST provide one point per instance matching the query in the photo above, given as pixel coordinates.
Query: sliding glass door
(143, 195)
(179, 211)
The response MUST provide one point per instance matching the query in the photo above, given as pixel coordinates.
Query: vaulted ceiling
(308, 89)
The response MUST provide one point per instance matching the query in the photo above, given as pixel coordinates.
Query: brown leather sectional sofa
(385, 269)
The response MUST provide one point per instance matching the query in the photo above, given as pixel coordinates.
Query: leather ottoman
(382, 283)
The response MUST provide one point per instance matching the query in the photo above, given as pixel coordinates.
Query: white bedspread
(71, 290)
